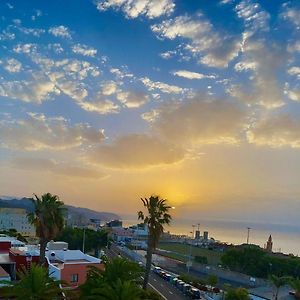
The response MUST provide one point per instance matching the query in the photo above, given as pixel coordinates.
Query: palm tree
(34, 284)
(157, 216)
(48, 219)
(118, 290)
(278, 282)
(119, 274)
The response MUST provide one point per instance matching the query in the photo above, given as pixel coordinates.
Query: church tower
(269, 244)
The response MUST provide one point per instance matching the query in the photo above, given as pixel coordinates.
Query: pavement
(162, 287)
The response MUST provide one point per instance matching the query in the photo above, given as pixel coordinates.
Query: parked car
(157, 270)
(181, 285)
(167, 277)
(194, 293)
(174, 281)
(186, 288)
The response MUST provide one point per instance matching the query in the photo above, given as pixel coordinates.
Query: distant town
(195, 266)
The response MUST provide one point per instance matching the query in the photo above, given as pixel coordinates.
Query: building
(114, 223)
(24, 256)
(205, 235)
(70, 266)
(57, 245)
(269, 245)
(16, 218)
(197, 235)
(7, 242)
(4, 276)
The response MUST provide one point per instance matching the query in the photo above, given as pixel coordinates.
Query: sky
(107, 101)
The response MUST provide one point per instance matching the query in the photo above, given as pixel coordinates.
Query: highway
(162, 287)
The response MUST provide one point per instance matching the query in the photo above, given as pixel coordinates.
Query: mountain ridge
(73, 211)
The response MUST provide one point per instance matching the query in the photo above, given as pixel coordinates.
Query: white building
(16, 218)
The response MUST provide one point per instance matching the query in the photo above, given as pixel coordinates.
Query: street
(162, 287)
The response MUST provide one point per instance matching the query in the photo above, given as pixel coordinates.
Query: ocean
(286, 238)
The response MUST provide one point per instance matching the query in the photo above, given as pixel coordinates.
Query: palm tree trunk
(43, 245)
(148, 263)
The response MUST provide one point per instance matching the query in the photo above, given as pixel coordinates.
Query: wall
(80, 269)
(4, 246)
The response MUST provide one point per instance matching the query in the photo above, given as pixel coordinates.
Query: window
(74, 278)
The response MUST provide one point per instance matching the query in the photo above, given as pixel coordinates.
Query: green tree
(278, 282)
(117, 290)
(119, 269)
(157, 216)
(295, 284)
(212, 280)
(34, 284)
(48, 219)
(237, 294)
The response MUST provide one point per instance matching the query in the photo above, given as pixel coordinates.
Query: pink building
(70, 266)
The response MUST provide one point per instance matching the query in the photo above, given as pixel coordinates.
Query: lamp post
(83, 240)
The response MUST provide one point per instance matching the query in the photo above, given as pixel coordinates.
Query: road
(162, 287)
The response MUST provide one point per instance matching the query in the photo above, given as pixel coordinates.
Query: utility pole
(248, 234)
(189, 263)
(83, 240)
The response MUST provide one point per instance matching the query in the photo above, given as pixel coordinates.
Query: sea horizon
(286, 237)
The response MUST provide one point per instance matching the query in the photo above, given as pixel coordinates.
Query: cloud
(168, 54)
(25, 48)
(45, 165)
(37, 88)
(38, 132)
(295, 71)
(102, 106)
(109, 88)
(209, 47)
(264, 61)
(13, 66)
(60, 31)
(136, 151)
(133, 99)
(163, 87)
(201, 121)
(292, 15)
(84, 50)
(133, 9)
(254, 17)
(192, 75)
(294, 94)
(276, 131)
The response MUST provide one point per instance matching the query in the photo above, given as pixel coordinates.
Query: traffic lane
(165, 288)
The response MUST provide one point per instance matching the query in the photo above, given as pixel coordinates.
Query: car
(194, 293)
(181, 285)
(174, 281)
(162, 274)
(156, 270)
(292, 293)
(167, 277)
(186, 288)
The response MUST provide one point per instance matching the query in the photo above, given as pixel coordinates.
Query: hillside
(73, 212)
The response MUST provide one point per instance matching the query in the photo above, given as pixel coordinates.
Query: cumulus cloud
(100, 106)
(163, 87)
(13, 66)
(210, 47)
(109, 88)
(45, 165)
(264, 87)
(133, 99)
(35, 89)
(84, 50)
(60, 31)
(201, 121)
(25, 48)
(38, 132)
(295, 71)
(276, 131)
(136, 151)
(192, 75)
(133, 9)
